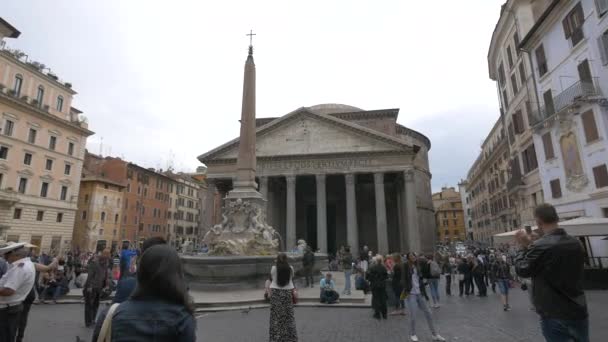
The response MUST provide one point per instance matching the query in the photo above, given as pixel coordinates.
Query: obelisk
(245, 186)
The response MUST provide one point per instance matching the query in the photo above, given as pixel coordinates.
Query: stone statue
(302, 245)
(243, 231)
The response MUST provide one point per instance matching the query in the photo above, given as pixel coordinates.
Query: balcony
(581, 91)
(8, 197)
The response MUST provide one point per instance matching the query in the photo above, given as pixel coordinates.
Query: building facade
(98, 223)
(42, 147)
(337, 175)
(146, 197)
(512, 71)
(466, 208)
(185, 211)
(449, 216)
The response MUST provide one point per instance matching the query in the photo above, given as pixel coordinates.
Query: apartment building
(185, 211)
(449, 216)
(42, 147)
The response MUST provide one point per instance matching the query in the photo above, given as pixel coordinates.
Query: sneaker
(414, 338)
(438, 338)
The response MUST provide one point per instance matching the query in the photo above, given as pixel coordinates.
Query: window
(59, 217)
(22, 185)
(86, 198)
(3, 152)
(501, 75)
(31, 137)
(505, 99)
(49, 164)
(116, 218)
(529, 159)
(103, 216)
(548, 146)
(541, 60)
(64, 193)
(71, 148)
(27, 159)
(584, 72)
(52, 142)
(516, 42)
(522, 73)
(510, 57)
(40, 95)
(128, 187)
(603, 45)
(518, 122)
(602, 7)
(105, 199)
(8, 128)
(18, 84)
(84, 214)
(549, 106)
(514, 84)
(600, 173)
(124, 219)
(589, 126)
(573, 24)
(59, 103)
(556, 189)
(44, 190)
(145, 192)
(67, 169)
(40, 215)
(455, 222)
(17, 213)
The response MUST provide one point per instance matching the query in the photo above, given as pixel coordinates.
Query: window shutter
(600, 173)
(602, 42)
(556, 189)
(578, 16)
(589, 126)
(548, 146)
(584, 72)
(567, 28)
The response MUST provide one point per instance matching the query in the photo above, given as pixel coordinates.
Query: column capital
(263, 180)
(291, 179)
(350, 178)
(408, 175)
(379, 178)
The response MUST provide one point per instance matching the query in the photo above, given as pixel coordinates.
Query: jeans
(347, 274)
(503, 286)
(560, 330)
(91, 304)
(434, 285)
(412, 301)
(329, 296)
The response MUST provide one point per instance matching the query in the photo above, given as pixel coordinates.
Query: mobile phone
(528, 229)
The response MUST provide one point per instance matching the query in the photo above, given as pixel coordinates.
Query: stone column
(210, 212)
(321, 214)
(290, 231)
(352, 230)
(381, 214)
(411, 212)
(264, 191)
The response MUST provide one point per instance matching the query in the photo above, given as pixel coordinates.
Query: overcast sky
(161, 81)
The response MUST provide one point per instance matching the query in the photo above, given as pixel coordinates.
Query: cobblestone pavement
(459, 319)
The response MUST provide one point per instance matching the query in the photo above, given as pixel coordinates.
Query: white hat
(10, 246)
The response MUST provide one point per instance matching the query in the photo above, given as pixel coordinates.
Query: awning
(582, 226)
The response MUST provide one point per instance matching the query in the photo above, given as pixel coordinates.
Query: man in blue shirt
(328, 290)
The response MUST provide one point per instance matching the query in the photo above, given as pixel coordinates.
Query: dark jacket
(397, 280)
(377, 276)
(555, 264)
(144, 321)
(406, 278)
(500, 270)
(308, 260)
(97, 273)
(347, 261)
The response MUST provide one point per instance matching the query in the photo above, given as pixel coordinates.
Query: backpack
(435, 271)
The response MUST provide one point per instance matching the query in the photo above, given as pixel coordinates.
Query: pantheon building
(336, 175)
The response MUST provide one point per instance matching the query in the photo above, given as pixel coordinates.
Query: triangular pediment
(306, 133)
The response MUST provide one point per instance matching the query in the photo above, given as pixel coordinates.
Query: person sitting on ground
(329, 294)
(57, 285)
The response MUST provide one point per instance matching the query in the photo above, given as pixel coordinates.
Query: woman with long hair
(397, 285)
(282, 320)
(160, 308)
(412, 283)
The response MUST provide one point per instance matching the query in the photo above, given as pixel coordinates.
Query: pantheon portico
(337, 175)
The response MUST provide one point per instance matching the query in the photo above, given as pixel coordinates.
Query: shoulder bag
(105, 334)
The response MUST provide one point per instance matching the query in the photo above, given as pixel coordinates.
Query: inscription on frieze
(342, 164)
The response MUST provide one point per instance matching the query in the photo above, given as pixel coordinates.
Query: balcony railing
(579, 91)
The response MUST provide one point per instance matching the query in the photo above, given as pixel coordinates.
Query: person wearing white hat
(15, 285)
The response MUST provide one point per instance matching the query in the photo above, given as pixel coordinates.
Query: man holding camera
(555, 264)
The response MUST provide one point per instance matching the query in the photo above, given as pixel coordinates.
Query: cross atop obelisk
(245, 186)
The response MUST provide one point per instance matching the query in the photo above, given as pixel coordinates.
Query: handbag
(105, 334)
(294, 296)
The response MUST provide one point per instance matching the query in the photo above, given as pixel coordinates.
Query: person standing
(397, 285)
(347, 265)
(412, 281)
(448, 270)
(97, 280)
(282, 320)
(15, 286)
(555, 262)
(501, 275)
(478, 275)
(377, 276)
(434, 274)
(308, 263)
(462, 271)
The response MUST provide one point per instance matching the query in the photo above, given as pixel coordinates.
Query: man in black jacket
(308, 263)
(555, 264)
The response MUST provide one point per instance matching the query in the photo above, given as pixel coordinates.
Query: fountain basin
(239, 272)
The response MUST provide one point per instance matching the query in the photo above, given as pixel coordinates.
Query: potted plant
(25, 98)
(34, 102)
(68, 85)
(12, 92)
